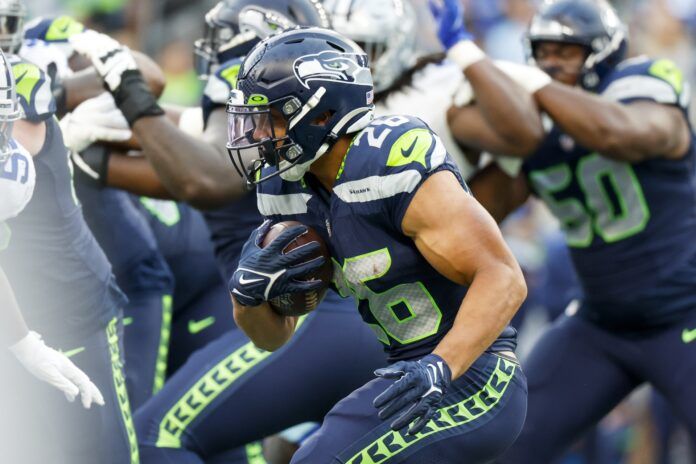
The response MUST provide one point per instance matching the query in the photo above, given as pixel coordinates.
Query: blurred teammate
(617, 170)
(407, 240)
(121, 231)
(63, 283)
(17, 181)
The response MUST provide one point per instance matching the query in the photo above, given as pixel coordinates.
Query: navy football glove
(264, 273)
(449, 16)
(421, 384)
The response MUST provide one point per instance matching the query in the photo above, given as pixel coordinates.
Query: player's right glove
(416, 395)
(117, 67)
(264, 273)
(56, 369)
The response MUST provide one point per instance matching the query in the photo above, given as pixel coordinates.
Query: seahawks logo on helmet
(349, 68)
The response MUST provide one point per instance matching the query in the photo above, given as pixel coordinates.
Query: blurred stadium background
(640, 431)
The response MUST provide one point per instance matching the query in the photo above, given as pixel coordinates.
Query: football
(298, 304)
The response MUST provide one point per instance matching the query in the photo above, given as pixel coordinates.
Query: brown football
(298, 304)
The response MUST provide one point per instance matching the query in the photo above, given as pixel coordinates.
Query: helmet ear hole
(323, 119)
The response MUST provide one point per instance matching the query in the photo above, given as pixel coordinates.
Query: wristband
(134, 99)
(465, 53)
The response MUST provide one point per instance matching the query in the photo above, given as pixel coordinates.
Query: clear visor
(252, 142)
(248, 125)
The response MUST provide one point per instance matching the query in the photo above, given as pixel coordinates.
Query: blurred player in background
(617, 170)
(64, 284)
(17, 181)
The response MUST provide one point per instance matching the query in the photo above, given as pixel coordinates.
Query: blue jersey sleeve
(643, 79)
(34, 90)
(217, 90)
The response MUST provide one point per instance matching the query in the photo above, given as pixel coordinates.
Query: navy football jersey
(59, 273)
(409, 305)
(630, 227)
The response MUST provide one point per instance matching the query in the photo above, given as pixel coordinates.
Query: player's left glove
(449, 16)
(117, 67)
(421, 384)
(264, 273)
(56, 369)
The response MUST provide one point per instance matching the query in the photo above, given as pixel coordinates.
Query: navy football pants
(230, 393)
(481, 416)
(579, 372)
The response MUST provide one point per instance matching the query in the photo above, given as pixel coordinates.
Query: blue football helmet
(593, 24)
(318, 80)
(233, 27)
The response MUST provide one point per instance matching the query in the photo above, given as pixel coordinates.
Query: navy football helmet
(233, 27)
(593, 24)
(317, 81)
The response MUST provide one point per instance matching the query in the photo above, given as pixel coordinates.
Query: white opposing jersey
(429, 97)
(17, 180)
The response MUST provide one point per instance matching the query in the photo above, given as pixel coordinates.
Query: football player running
(426, 264)
(617, 170)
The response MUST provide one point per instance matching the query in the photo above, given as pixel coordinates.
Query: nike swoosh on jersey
(20, 77)
(406, 153)
(195, 327)
(688, 336)
(71, 353)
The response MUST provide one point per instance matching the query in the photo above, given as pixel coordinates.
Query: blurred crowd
(642, 429)
(166, 29)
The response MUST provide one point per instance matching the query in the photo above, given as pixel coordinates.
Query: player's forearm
(497, 192)
(190, 169)
(507, 108)
(607, 127)
(12, 327)
(135, 175)
(266, 328)
(494, 296)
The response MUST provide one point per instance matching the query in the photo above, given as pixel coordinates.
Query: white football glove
(94, 120)
(110, 58)
(56, 369)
